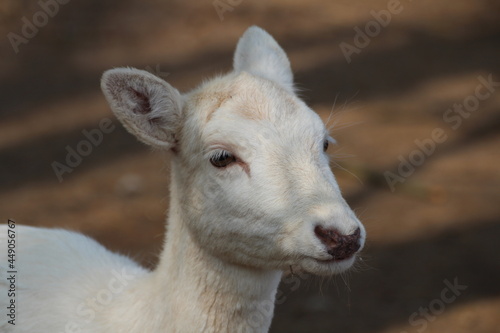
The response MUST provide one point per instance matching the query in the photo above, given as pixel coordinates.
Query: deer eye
(325, 145)
(222, 159)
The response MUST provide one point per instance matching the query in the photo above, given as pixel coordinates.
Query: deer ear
(146, 105)
(259, 54)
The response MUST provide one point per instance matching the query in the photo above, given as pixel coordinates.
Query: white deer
(251, 193)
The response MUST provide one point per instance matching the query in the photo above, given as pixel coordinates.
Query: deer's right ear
(147, 106)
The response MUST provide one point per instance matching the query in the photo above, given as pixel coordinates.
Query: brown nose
(339, 246)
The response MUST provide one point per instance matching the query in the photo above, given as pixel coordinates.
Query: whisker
(332, 109)
(345, 278)
(344, 126)
(349, 172)
(338, 156)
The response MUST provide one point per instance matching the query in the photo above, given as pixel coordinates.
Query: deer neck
(202, 293)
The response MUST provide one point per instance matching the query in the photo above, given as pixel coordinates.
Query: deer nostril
(339, 246)
(330, 237)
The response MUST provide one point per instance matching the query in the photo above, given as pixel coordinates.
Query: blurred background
(411, 88)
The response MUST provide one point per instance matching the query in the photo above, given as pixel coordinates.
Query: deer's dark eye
(325, 145)
(222, 159)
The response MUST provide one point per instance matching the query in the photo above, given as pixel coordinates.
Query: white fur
(231, 231)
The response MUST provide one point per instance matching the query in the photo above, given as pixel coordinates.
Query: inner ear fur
(147, 106)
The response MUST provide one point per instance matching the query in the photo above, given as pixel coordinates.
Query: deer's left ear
(259, 54)
(147, 106)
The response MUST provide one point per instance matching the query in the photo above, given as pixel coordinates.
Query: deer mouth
(327, 267)
(334, 259)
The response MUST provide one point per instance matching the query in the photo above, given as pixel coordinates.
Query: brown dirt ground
(442, 223)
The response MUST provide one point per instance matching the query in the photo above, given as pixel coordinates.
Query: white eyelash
(331, 140)
(219, 153)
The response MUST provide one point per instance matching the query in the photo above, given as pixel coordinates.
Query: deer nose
(339, 246)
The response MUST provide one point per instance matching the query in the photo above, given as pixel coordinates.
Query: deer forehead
(251, 109)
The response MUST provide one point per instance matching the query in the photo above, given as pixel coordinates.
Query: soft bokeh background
(442, 223)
